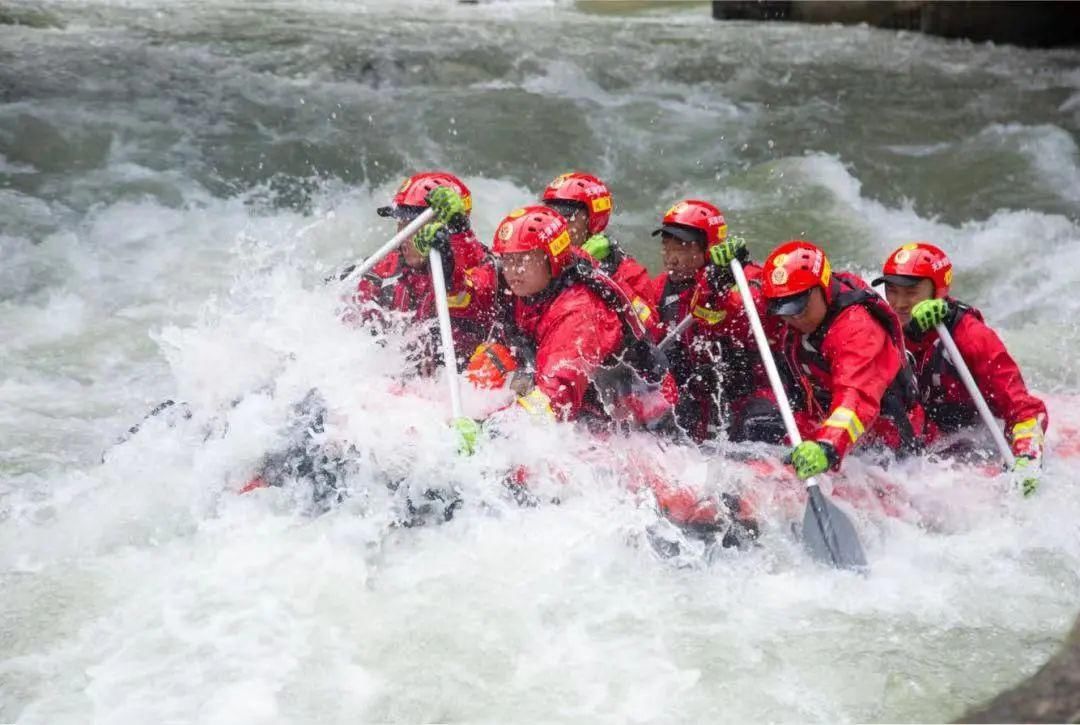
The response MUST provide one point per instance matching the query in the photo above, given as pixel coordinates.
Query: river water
(177, 178)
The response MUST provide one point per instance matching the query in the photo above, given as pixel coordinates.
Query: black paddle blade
(828, 534)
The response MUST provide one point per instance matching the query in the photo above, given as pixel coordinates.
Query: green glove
(810, 458)
(598, 247)
(432, 236)
(1027, 475)
(729, 250)
(446, 203)
(929, 313)
(468, 431)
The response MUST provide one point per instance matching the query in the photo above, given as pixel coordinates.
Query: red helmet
(913, 262)
(411, 196)
(535, 227)
(584, 189)
(790, 272)
(692, 220)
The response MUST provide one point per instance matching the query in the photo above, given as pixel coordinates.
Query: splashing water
(176, 181)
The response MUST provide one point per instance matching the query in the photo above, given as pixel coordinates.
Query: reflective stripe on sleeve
(1029, 428)
(537, 403)
(845, 418)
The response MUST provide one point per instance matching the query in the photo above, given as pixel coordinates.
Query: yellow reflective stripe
(1029, 428)
(845, 418)
(601, 204)
(459, 301)
(641, 308)
(559, 244)
(537, 403)
(710, 316)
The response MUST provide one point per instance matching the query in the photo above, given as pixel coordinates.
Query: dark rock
(1050, 695)
(30, 17)
(1034, 23)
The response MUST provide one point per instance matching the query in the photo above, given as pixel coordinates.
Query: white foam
(1052, 152)
(142, 589)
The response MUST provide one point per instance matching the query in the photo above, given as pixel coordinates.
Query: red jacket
(633, 281)
(845, 367)
(631, 275)
(720, 332)
(574, 332)
(394, 286)
(996, 374)
(626, 271)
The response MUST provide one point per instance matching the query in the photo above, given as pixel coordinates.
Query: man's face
(412, 258)
(682, 259)
(903, 299)
(527, 273)
(812, 315)
(577, 223)
(578, 226)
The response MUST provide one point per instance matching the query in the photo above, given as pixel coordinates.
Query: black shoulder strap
(938, 363)
(957, 310)
(610, 264)
(582, 272)
(903, 391)
(669, 300)
(641, 353)
(843, 295)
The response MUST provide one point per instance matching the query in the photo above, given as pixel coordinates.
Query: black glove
(719, 278)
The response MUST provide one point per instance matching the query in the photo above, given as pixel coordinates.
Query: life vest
(610, 264)
(471, 324)
(640, 323)
(638, 370)
(804, 356)
(391, 295)
(670, 304)
(949, 415)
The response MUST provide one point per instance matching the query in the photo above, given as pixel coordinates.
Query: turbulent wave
(164, 233)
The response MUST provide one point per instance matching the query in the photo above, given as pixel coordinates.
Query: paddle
(676, 332)
(447, 335)
(973, 390)
(828, 534)
(407, 231)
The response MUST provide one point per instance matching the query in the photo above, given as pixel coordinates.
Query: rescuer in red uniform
(917, 278)
(845, 350)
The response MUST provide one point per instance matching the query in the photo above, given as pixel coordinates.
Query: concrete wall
(1033, 23)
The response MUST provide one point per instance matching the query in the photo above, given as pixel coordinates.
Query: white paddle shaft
(407, 231)
(767, 358)
(973, 390)
(447, 335)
